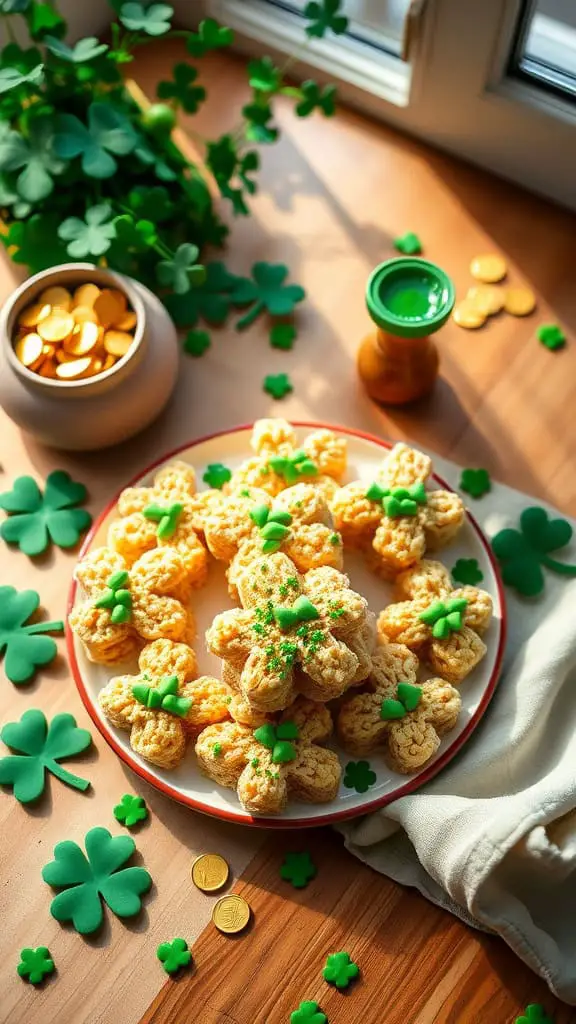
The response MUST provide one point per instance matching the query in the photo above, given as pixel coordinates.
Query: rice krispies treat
(403, 717)
(448, 637)
(280, 461)
(149, 603)
(395, 519)
(269, 765)
(159, 735)
(288, 620)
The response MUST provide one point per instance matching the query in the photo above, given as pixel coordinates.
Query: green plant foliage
(210, 36)
(266, 292)
(154, 20)
(11, 78)
(107, 132)
(264, 76)
(314, 97)
(258, 127)
(85, 49)
(34, 242)
(42, 20)
(181, 90)
(13, 6)
(210, 301)
(324, 17)
(91, 236)
(34, 154)
(181, 272)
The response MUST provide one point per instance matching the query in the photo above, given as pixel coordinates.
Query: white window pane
(377, 22)
(548, 47)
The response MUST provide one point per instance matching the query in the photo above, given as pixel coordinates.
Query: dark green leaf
(43, 19)
(181, 90)
(181, 272)
(266, 292)
(13, 56)
(316, 98)
(36, 242)
(108, 131)
(324, 17)
(258, 128)
(151, 203)
(134, 235)
(210, 301)
(210, 36)
(264, 75)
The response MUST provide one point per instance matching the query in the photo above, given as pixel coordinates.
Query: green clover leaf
(522, 554)
(475, 482)
(273, 525)
(153, 20)
(43, 19)
(211, 300)
(11, 78)
(163, 697)
(91, 236)
(116, 598)
(231, 171)
(84, 50)
(409, 244)
(210, 36)
(14, 6)
(358, 775)
(132, 235)
(293, 468)
(298, 868)
(266, 292)
(151, 204)
(13, 56)
(35, 154)
(10, 198)
(264, 75)
(40, 748)
(181, 272)
(283, 336)
(181, 90)
(35, 241)
(108, 131)
(308, 1013)
(467, 571)
(167, 517)
(340, 970)
(216, 475)
(408, 697)
(196, 343)
(87, 880)
(551, 336)
(445, 617)
(277, 739)
(35, 964)
(34, 519)
(301, 611)
(314, 97)
(131, 810)
(258, 128)
(534, 1014)
(25, 650)
(324, 17)
(174, 955)
(399, 501)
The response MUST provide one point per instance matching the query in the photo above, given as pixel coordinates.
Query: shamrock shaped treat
(174, 955)
(281, 462)
(266, 768)
(340, 970)
(40, 749)
(358, 775)
(131, 810)
(289, 620)
(249, 523)
(438, 623)
(395, 519)
(308, 1013)
(534, 1014)
(396, 713)
(165, 704)
(35, 964)
(298, 868)
(126, 607)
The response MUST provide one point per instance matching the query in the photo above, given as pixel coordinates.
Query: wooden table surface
(334, 193)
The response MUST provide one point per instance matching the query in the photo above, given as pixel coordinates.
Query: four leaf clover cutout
(35, 519)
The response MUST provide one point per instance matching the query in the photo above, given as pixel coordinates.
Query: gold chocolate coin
(29, 349)
(56, 327)
(126, 322)
(73, 369)
(57, 296)
(231, 914)
(32, 315)
(117, 343)
(48, 369)
(467, 315)
(210, 872)
(520, 301)
(486, 298)
(83, 313)
(86, 295)
(83, 339)
(109, 306)
(489, 268)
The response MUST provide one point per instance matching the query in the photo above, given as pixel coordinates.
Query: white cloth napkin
(493, 837)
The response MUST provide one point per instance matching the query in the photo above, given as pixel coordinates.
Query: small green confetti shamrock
(475, 482)
(154, 19)
(87, 880)
(467, 571)
(293, 467)
(445, 617)
(25, 650)
(534, 1014)
(40, 749)
(35, 964)
(167, 517)
(298, 869)
(163, 697)
(283, 336)
(314, 97)
(409, 244)
(522, 553)
(89, 237)
(181, 272)
(196, 343)
(301, 611)
(308, 1013)
(266, 292)
(278, 385)
(210, 36)
(35, 519)
(399, 501)
(407, 699)
(117, 598)
(276, 738)
(181, 90)
(174, 955)
(358, 775)
(273, 525)
(217, 475)
(131, 810)
(340, 970)
(551, 336)
(325, 16)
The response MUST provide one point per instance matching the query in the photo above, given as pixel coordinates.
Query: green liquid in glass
(420, 299)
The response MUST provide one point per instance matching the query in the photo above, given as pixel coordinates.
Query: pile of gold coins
(67, 335)
(490, 297)
(231, 913)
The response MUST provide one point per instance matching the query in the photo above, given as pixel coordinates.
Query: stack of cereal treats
(302, 655)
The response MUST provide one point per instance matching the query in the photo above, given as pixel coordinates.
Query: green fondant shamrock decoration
(398, 501)
(358, 775)
(445, 617)
(40, 747)
(283, 336)
(277, 738)
(167, 517)
(91, 236)
(35, 519)
(131, 810)
(409, 244)
(551, 336)
(314, 97)
(522, 553)
(216, 475)
(475, 482)
(163, 697)
(266, 292)
(467, 571)
(181, 272)
(196, 343)
(210, 36)
(324, 16)
(182, 90)
(535, 1014)
(174, 955)
(153, 19)
(278, 385)
(273, 525)
(117, 598)
(340, 970)
(407, 698)
(308, 1013)
(301, 611)
(298, 869)
(35, 964)
(22, 646)
(86, 880)
(293, 467)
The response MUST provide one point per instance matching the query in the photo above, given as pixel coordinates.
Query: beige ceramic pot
(97, 411)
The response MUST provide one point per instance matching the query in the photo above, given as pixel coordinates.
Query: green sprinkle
(217, 749)
(335, 539)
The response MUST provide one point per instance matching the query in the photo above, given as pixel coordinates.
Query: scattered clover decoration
(467, 571)
(276, 738)
(41, 747)
(174, 955)
(407, 699)
(534, 1014)
(163, 697)
(359, 776)
(86, 880)
(522, 553)
(298, 869)
(409, 244)
(273, 525)
(216, 475)
(278, 385)
(182, 91)
(196, 343)
(340, 970)
(308, 1013)
(266, 292)
(167, 517)
(475, 482)
(181, 272)
(154, 19)
(315, 97)
(324, 16)
(445, 617)
(117, 598)
(551, 336)
(283, 336)
(35, 519)
(210, 36)
(23, 648)
(35, 964)
(131, 810)
(89, 237)
(399, 501)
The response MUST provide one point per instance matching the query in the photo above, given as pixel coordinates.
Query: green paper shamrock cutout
(152, 204)
(278, 385)
(467, 571)
(301, 611)
(167, 517)
(522, 554)
(91, 236)
(475, 482)
(35, 964)
(11, 78)
(551, 336)
(36, 242)
(211, 300)
(181, 90)
(445, 617)
(308, 1013)
(340, 970)
(298, 869)
(399, 501)
(25, 650)
(277, 739)
(154, 19)
(258, 128)
(131, 810)
(35, 154)
(324, 17)
(216, 475)
(174, 955)
(87, 880)
(267, 293)
(283, 336)
(85, 49)
(314, 97)
(181, 272)
(409, 244)
(293, 467)
(407, 699)
(196, 343)
(273, 525)
(534, 1014)
(40, 748)
(210, 36)
(358, 775)
(264, 75)
(108, 132)
(163, 697)
(117, 598)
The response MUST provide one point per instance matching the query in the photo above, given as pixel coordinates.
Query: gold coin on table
(126, 322)
(467, 315)
(117, 343)
(56, 327)
(109, 306)
(231, 914)
(86, 295)
(83, 339)
(489, 268)
(73, 369)
(29, 349)
(83, 313)
(486, 298)
(32, 315)
(57, 296)
(520, 301)
(210, 872)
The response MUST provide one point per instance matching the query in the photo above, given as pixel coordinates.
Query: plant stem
(67, 777)
(44, 627)
(249, 317)
(559, 567)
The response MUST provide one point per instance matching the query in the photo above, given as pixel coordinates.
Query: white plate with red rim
(186, 783)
